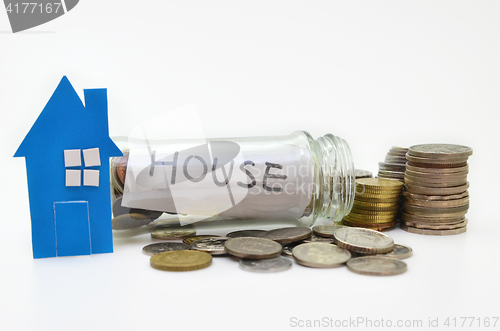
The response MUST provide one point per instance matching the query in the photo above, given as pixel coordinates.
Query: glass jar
(238, 182)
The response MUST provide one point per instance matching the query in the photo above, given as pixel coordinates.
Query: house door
(72, 228)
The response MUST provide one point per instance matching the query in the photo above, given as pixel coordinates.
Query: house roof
(66, 123)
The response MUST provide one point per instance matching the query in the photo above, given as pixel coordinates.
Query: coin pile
(326, 246)
(435, 191)
(376, 204)
(394, 165)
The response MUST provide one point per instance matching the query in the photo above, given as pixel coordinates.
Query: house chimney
(96, 105)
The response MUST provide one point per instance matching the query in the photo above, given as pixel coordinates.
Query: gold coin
(379, 184)
(376, 205)
(377, 195)
(181, 260)
(373, 226)
(353, 217)
(374, 212)
(378, 199)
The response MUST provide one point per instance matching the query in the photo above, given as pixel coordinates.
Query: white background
(378, 74)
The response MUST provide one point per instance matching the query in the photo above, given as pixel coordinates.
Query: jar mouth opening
(334, 177)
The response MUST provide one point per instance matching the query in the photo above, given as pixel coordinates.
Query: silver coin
(364, 241)
(376, 266)
(214, 246)
(399, 252)
(246, 233)
(326, 230)
(253, 248)
(267, 265)
(320, 255)
(154, 249)
(288, 235)
(442, 151)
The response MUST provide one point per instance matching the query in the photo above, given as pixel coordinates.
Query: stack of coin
(435, 192)
(394, 165)
(376, 204)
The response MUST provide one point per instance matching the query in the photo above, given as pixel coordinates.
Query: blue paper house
(67, 154)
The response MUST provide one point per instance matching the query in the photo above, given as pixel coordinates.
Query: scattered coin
(363, 240)
(399, 252)
(153, 249)
(288, 235)
(314, 238)
(181, 260)
(276, 264)
(253, 248)
(320, 255)
(287, 249)
(246, 233)
(213, 245)
(190, 240)
(376, 266)
(167, 231)
(326, 230)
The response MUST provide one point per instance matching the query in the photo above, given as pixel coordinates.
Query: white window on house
(90, 177)
(91, 157)
(73, 159)
(73, 177)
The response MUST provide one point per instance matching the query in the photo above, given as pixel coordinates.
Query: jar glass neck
(334, 177)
